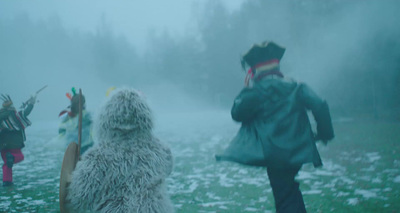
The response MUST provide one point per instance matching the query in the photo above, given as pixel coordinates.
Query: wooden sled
(71, 158)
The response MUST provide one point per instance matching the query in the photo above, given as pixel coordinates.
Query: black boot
(7, 183)
(10, 160)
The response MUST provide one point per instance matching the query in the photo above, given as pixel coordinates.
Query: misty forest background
(348, 51)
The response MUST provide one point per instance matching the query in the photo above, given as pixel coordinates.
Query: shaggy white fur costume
(126, 170)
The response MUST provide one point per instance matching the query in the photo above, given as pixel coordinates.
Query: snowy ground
(361, 172)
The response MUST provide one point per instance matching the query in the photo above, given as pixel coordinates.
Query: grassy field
(361, 170)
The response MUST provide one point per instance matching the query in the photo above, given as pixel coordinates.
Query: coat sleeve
(320, 111)
(246, 105)
(28, 110)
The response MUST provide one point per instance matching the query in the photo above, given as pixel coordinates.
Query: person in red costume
(12, 135)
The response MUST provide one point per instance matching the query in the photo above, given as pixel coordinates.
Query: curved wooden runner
(71, 157)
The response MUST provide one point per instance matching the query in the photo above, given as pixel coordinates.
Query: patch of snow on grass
(330, 166)
(365, 177)
(17, 196)
(369, 169)
(347, 180)
(257, 181)
(37, 202)
(178, 206)
(366, 193)
(212, 196)
(5, 204)
(390, 171)
(303, 175)
(243, 171)
(376, 180)
(192, 187)
(342, 194)
(218, 203)
(262, 199)
(397, 179)
(224, 181)
(250, 209)
(387, 189)
(352, 201)
(312, 192)
(373, 156)
(323, 173)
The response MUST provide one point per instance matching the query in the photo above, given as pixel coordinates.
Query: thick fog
(185, 55)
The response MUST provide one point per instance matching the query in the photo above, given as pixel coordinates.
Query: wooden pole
(80, 123)
(71, 157)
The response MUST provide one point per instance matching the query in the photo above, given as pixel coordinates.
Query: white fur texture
(126, 170)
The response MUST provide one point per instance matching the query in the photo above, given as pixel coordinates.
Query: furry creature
(125, 171)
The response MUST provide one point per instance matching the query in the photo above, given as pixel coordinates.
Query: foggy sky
(314, 53)
(130, 19)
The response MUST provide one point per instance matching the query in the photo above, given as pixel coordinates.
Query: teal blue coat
(276, 131)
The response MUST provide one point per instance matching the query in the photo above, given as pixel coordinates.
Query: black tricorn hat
(263, 52)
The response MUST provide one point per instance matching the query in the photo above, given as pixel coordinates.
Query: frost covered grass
(37, 177)
(361, 170)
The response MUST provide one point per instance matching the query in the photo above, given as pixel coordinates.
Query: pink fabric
(250, 72)
(18, 157)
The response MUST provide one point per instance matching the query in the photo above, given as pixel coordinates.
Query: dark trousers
(287, 195)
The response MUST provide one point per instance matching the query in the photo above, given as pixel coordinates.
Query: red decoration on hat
(69, 96)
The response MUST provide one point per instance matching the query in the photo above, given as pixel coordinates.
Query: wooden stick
(80, 124)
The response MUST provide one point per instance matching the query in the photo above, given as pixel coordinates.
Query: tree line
(348, 51)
